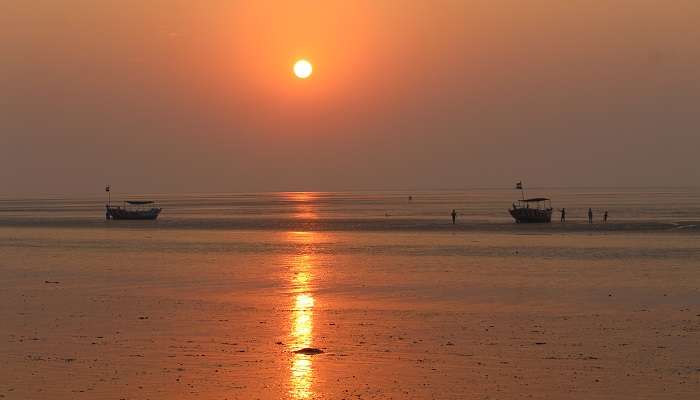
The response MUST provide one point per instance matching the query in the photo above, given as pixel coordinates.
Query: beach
(349, 200)
(216, 298)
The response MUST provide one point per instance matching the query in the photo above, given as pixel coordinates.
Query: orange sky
(165, 96)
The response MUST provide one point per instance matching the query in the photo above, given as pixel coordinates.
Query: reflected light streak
(299, 197)
(302, 376)
(303, 203)
(305, 212)
(301, 335)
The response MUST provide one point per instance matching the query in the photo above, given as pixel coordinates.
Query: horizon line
(406, 191)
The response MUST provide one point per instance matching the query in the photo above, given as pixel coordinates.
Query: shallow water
(202, 304)
(478, 210)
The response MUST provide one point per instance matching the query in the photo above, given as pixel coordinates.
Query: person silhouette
(454, 216)
(590, 216)
(563, 215)
(605, 216)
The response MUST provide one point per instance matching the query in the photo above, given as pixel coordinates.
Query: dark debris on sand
(309, 351)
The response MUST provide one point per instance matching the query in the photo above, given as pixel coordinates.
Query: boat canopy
(139, 202)
(538, 202)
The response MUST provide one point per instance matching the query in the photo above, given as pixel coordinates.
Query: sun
(303, 69)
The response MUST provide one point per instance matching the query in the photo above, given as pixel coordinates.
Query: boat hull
(531, 215)
(118, 213)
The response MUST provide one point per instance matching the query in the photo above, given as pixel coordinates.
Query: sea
(352, 295)
(650, 208)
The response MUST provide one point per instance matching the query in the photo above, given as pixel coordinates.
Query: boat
(538, 209)
(134, 209)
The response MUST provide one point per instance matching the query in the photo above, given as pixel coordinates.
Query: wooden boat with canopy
(131, 209)
(134, 209)
(538, 209)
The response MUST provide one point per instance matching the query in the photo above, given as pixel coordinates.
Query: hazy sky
(184, 96)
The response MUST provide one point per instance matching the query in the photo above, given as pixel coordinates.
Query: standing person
(563, 215)
(454, 216)
(590, 216)
(605, 216)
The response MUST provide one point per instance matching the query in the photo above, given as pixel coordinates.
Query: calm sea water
(646, 208)
(214, 299)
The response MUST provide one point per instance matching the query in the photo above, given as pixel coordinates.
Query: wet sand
(104, 313)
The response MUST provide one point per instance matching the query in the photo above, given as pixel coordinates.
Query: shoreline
(388, 224)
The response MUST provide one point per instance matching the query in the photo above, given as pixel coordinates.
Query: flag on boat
(519, 185)
(107, 188)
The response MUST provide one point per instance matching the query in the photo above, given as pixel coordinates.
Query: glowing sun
(303, 69)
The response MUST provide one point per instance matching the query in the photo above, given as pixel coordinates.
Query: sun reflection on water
(302, 318)
(303, 204)
(302, 326)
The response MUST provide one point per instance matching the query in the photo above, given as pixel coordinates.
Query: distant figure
(605, 216)
(454, 217)
(590, 216)
(410, 198)
(563, 215)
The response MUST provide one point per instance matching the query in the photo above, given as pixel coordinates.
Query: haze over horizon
(190, 96)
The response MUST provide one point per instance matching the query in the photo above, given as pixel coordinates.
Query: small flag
(519, 186)
(107, 188)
